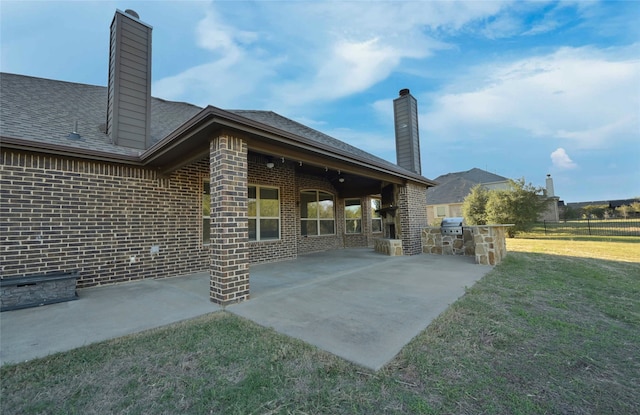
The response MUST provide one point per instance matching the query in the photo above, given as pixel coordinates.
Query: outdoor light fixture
(341, 180)
(270, 163)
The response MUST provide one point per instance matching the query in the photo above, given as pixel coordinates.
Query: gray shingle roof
(474, 175)
(45, 111)
(454, 187)
(282, 123)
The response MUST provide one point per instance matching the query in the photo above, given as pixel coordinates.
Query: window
(440, 211)
(264, 213)
(376, 218)
(353, 216)
(206, 213)
(316, 213)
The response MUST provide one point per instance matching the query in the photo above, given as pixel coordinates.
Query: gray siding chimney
(405, 112)
(129, 93)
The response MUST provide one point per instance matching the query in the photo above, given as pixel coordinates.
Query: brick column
(229, 269)
(412, 208)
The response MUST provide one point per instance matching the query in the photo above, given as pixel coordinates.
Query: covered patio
(354, 303)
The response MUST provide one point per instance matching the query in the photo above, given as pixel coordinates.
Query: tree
(474, 206)
(624, 210)
(571, 213)
(596, 211)
(521, 205)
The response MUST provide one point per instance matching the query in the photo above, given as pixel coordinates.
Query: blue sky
(521, 89)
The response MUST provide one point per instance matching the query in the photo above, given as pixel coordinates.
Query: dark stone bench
(37, 290)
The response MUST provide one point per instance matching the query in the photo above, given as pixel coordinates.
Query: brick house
(121, 186)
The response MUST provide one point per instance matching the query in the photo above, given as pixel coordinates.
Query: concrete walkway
(102, 313)
(354, 303)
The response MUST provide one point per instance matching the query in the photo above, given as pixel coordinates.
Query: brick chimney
(129, 93)
(405, 111)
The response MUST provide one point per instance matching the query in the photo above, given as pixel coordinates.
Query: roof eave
(66, 151)
(213, 117)
(189, 142)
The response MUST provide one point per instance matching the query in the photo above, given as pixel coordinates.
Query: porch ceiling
(353, 185)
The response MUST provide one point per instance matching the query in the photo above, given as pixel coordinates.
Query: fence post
(589, 225)
(545, 226)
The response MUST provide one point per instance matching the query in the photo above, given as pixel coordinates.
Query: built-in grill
(451, 226)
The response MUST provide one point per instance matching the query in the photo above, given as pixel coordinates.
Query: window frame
(206, 219)
(318, 220)
(358, 230)
(258, 217)
(375, 216)
(444, 210)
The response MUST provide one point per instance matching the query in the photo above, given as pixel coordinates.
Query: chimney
(129, 89)
(550, 192)
(405, 112)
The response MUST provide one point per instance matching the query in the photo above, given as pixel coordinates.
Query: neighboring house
(445, 199)
(120, 186)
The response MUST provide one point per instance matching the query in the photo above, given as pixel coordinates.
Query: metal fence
(591, 227)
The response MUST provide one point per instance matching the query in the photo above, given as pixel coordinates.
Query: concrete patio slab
(102, 313)
(354, 303)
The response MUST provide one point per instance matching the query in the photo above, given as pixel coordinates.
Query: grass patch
(553, 329)
(597, 248)
(585, 228)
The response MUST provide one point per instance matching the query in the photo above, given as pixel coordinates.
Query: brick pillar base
(229, 268)
(412, 208)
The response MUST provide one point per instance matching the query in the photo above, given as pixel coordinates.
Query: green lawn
(554, 329)
(615, 228)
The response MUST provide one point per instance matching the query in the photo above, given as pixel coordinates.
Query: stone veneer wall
(100, 219)
(486, 243)
(392, 247)
(413, 217)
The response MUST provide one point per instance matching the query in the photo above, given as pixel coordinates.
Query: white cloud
(561, 160)
(234, 72)
(215, 35)
(578, 94)
(350, 67)
(303, 53)
(379, 144)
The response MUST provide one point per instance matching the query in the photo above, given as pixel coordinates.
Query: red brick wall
(364, 239)
(62, 214)
(412, 200)
(308, 244)
(282, 176)
(67, 214)
(229, 228)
